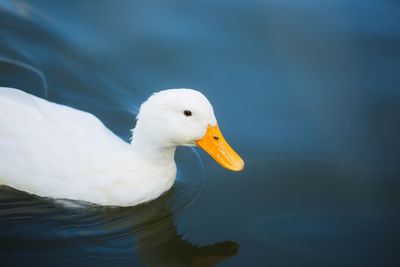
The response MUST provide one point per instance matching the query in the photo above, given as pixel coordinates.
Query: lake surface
(306, 91)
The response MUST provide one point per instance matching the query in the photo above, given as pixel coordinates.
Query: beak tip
(238, 167)
(241, 168)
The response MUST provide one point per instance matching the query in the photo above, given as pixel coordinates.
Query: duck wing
(47, 146)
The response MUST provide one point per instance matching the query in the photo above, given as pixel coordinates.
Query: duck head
(184, 117)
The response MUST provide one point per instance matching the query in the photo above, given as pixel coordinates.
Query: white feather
(52, 150)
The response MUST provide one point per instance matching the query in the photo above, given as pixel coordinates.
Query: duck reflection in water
(104, 234)
(161, 244)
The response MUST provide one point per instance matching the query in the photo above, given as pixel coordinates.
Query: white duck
(52, 150)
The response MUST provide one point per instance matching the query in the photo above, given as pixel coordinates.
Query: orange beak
(215, 145)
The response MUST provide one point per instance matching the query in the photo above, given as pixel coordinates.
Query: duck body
(56, 151)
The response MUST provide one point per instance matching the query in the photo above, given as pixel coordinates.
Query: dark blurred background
(306, 91)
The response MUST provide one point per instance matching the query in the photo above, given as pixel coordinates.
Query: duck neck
(152, 149)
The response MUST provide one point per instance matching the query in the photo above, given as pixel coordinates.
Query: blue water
(306, 91)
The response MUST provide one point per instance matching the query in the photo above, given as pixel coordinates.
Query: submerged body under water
(304, 91)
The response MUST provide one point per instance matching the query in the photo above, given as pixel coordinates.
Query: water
(306, 91)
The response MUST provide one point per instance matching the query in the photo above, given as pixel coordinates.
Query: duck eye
(187, 113)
